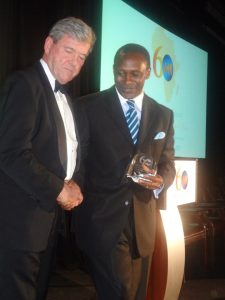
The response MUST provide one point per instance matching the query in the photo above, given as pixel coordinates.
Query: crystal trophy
(140, 166)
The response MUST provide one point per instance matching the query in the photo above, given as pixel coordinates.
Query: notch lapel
(54, 112)
(148, 116)
(115, 111)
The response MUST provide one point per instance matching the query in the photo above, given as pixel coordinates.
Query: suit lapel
(147, 119)
(115, 111)
(55, 114)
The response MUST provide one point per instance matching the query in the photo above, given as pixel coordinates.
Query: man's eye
(136, 74)
(68, 50)
(119, 73)
(82, 57)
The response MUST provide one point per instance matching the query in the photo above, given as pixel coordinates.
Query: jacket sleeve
(166, 167)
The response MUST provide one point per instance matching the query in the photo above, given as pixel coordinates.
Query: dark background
(24, 25)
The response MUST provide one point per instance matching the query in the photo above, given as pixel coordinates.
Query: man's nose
(128, 78)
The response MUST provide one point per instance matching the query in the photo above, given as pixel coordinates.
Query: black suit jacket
(108, 195)
(32, 159)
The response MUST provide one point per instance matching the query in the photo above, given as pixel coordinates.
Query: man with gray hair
(39, 160)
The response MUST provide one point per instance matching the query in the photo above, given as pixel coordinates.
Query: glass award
(140, 166)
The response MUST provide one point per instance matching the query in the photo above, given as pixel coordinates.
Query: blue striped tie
(132, 120)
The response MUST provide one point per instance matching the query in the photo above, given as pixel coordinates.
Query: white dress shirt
(68, 121)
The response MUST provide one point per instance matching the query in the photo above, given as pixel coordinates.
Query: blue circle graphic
(184, 180)
(167, 66)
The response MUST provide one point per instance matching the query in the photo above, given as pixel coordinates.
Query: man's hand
(151, 182)
(70, 195)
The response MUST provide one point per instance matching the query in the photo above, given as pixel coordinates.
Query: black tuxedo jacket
(32, 159)
(100, 219)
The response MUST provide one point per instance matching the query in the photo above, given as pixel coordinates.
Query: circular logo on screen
(181, 179)
(167, 66)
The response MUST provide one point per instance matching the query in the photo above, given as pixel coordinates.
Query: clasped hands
(70, 196)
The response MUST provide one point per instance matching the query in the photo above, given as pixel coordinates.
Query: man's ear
(148, 73)
(48, 43)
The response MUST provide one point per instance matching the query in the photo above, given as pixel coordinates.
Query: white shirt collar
(138, 100)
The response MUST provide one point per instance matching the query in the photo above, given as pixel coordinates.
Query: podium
(167, 269)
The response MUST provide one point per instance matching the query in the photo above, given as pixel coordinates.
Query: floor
(76, 284)
(71, 285)
(203, 289)
(71, 281)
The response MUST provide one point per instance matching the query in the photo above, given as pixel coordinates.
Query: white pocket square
(160, 135)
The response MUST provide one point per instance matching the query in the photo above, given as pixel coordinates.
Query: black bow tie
(59, 87)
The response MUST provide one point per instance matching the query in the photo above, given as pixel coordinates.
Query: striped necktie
(132, 120)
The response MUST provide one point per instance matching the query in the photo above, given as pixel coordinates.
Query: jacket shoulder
(97, 96)
(164, 109)
(31, 76)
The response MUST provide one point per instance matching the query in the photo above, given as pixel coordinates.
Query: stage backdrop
(178, 71)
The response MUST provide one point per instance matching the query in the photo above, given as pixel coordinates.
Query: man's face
(130, 74)
(65, 57)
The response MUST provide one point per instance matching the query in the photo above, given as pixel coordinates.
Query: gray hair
(75, 28)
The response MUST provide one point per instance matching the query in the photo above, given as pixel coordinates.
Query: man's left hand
(151, 182)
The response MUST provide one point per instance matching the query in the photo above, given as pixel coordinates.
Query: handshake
(70, 196)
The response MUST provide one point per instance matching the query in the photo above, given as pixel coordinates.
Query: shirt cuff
(158, 191)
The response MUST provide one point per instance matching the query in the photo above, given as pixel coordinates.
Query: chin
(128, 96)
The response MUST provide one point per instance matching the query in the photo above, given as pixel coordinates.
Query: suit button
(126, 203)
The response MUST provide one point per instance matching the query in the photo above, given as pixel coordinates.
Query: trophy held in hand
(140, 166)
